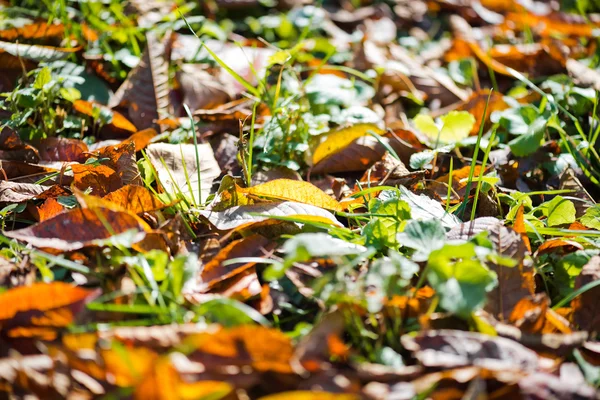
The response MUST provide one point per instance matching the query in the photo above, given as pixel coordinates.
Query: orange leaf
(49, 208)
(122, 159)
(118, 122)
(100, 178)
(78, 228)
(36, 30)
(214, 271)
(262, 348)
(165, 383)
(135, 199)
(141, 139)
(519, 226)
(310, 395)
(40, 297)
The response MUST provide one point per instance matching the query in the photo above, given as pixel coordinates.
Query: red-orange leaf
(78, 228)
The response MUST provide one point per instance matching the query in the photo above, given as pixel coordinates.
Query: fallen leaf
(179, 173)
(215, 271)
(262, 348)
(134, 199)
(62, 149)
(32, 31)
(13, 192)
(165, 382)
(583, 75)
(49, 209)
(475, 105)
(519, 226)
(341, 138)
(146, 90)
(452, 349)
(99, 178)
(122, 159)
(36, 52)
(292, 190)
(586, 306)
(142, 138)
(310, 395)
(514, 283)
(200, 88)
(79, 228)
(118, 122)
(235, 217)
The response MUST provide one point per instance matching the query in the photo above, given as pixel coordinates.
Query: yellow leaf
(299, 191)
(341, 138)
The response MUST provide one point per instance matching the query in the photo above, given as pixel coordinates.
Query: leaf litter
(299, 200)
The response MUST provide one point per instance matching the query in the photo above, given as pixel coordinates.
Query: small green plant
(40, 108)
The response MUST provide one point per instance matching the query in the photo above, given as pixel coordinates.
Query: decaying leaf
(451, 349)
(179, 172)
(146, 90)
(235, 217)
(514, 283)
(13, 192)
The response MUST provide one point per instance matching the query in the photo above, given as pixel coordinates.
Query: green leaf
(381, 231)
(426, 125)
(460, 278)
(43, 77)
(531, 141)
(425, 208)
(558, 211)
(305, 246)
(423, 236)
(461, 71)
(230, 313)
(388, 276)
(591, 218)
(567, 269)
(455, 126)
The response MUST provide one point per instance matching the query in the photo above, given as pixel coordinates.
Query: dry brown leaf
(452, 349)
(239, 216)
(582, 74)
(49, 209)
(134, 199)
(142, 138)
(586, 306)
(146, 90)
(310, 395)
(166, 382)
(214, 271)
(514, 283)
(180, 168)
(62, 149)
(14, 192)
(122, 159)
(201, 90)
